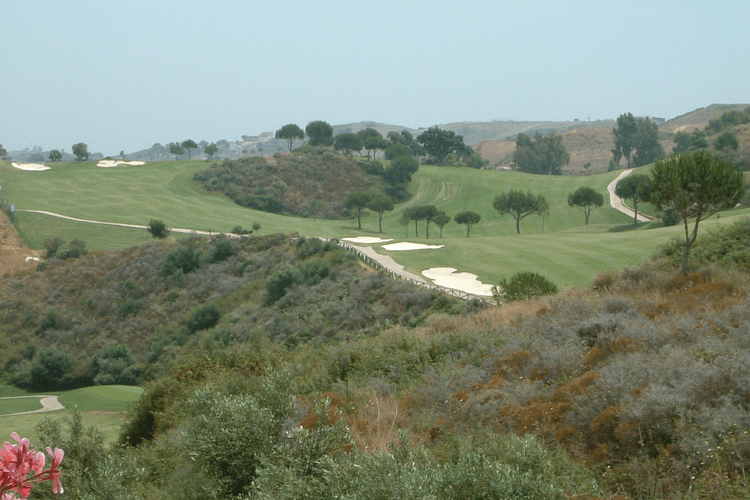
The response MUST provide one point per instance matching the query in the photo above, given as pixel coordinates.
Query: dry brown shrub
(604, 424)
(461, 395)
(375, 423)
(575, 387)
(537, 415)
(604, 281)
(600, 454)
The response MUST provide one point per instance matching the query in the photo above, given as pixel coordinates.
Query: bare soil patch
(13, 253)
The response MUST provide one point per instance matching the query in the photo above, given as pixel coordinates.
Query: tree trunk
(635, 211)
(518, 226)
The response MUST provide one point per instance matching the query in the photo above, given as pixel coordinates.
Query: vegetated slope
(644, 379)
(699, 118)
(286, 183)
(120, 317)
(14, 255)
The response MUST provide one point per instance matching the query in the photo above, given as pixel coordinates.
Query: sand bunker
(466, 282)
(115, 163)
(35, 167)
(365, 239)
(405, 245)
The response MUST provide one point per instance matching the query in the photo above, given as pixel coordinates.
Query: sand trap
(35, 167)
(405, 245)
(32, 258)
(466, 282)
(115, 163)
(365, 239)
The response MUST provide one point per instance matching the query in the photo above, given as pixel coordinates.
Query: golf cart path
(120, 224)
(49, 403)
(617, 202)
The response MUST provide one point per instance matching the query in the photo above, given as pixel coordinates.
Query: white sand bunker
(405, 245)
(115, 163)
(36, 167)
(366, 239)
(466, 282)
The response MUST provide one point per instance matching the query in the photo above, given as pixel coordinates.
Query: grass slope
(557, 245)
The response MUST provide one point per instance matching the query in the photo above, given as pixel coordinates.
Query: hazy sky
(122, 75)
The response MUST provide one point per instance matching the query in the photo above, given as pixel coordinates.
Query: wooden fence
(424, 284)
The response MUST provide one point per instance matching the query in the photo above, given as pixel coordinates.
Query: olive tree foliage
(695, 186)
(586, 198)
(544, 155)
(320, 133)
(468, 218)
(633, 187)
(189, 144)
(289, 133)
(520, 205)
(81, 151)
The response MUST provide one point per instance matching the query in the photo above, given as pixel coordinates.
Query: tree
(176, 150)
(640, 135)
(686, 141)
(372, 140)
(357, 201)
(519, 205)
(55, 156)
(647, 146)
(468, 218)
(3, 152)
(289, 133)
(405, 138)
(157, 229)
(624, 132)
(189, 144)
(544, 155)
(395, 150)
(438, 143)
(429, 212)
(320, 133)
(633, 187)
(401, 170)
(695, 185)
(347, 143)
(81, 151)
(211, 150)
(416, 214)
(380, 204)
(586, 198)
(440, 221)
(726, 141)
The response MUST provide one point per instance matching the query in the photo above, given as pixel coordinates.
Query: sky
(122, 75)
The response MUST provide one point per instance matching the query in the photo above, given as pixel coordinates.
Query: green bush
(522, 286)
(203, 317)
(284, 278)
(157, 229)
(222, 251)
(52, 369)
(670, 217)
(184, 258)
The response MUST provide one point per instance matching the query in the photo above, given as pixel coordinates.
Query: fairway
(103, 407)
(557, 245)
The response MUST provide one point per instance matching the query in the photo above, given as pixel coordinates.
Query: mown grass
(103, 407)
(557, 245)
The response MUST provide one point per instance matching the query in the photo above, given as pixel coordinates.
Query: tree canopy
(468, 218)
(372, 140)
(55, 155)
(400, 171)
(176, 149)
(320, 133)
(519, 205)
(633, 187)
(544, 155)
(81, 151)
(357, 202)
(347, 143)
(441, 220)
(189, 144)
(157, 229)
(439, 143)
(695, 185)
(289, 133)
(586, 198)
(380, 205)
(639, 135)
(211, 150)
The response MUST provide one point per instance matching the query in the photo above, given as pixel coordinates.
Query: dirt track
(14, 255)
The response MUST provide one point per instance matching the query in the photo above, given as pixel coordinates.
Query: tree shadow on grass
(636, 227)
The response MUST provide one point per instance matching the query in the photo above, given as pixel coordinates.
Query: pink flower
(53, 474)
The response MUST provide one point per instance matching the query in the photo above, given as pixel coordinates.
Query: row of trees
(436, 143)
(178, 148)
(637, 140)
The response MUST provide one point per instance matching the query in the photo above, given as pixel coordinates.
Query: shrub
(51, 370)
(203, 317)
(284, 278)
(524, 285)
(670, 217)
(158, 229)
(183, 258)
(52, 245)
(221, 251)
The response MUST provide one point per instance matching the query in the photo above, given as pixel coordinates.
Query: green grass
(559, 245)
(103, 407)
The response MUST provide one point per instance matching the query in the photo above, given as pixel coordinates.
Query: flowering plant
(17, 461)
